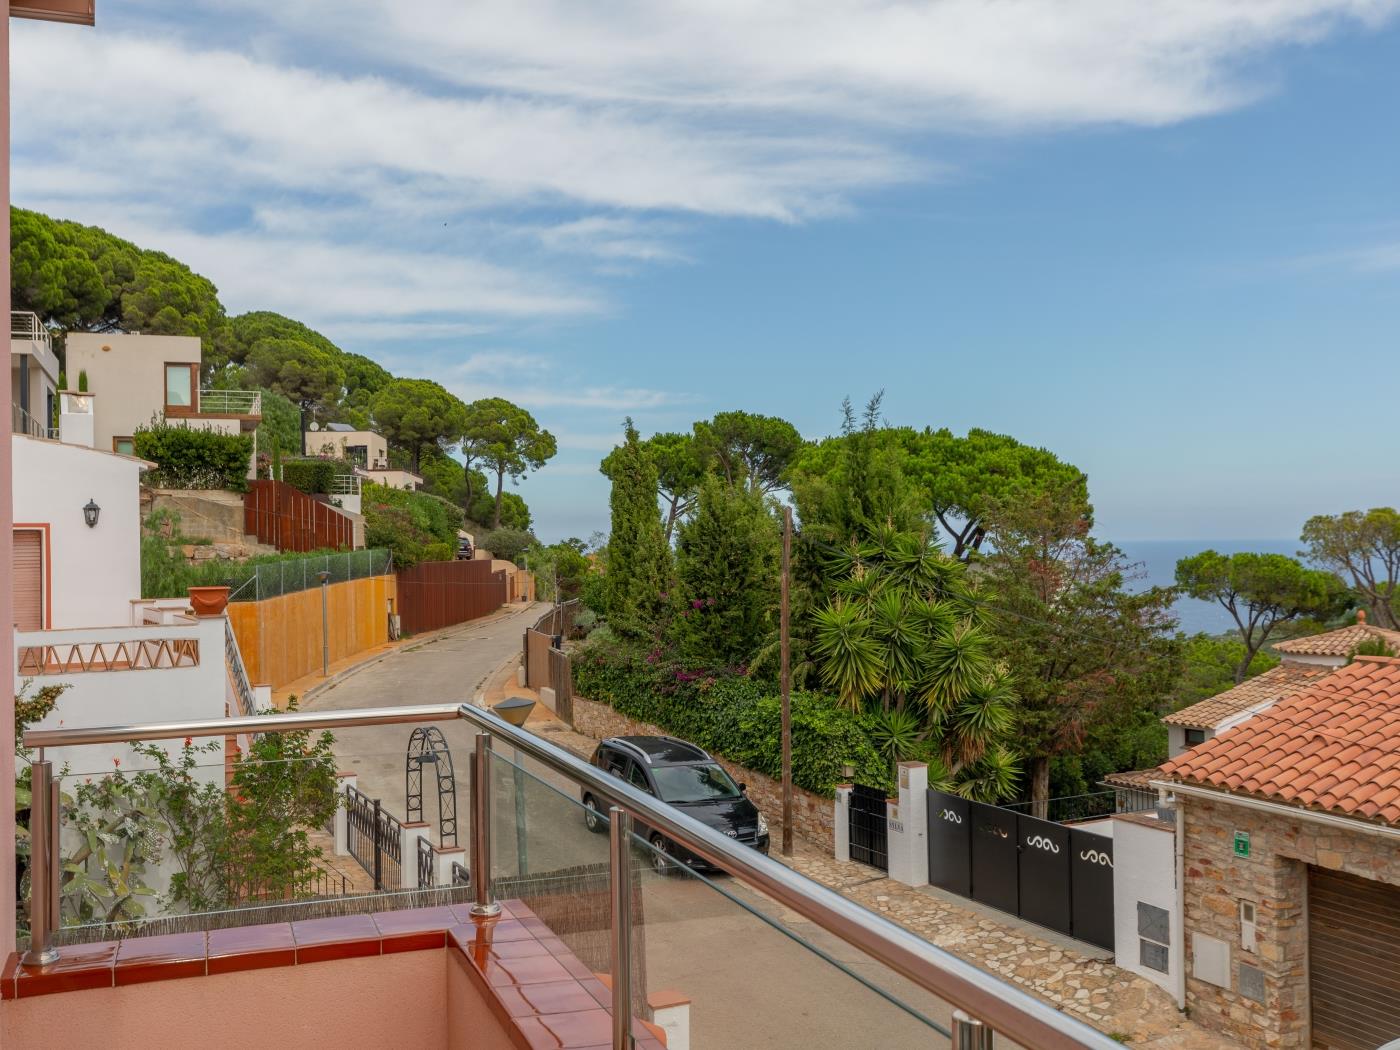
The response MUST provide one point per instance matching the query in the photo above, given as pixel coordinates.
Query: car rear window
(699, 783)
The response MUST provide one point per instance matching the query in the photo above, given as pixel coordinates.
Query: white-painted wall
(1144, 869)
(93, 573)
(104, 698)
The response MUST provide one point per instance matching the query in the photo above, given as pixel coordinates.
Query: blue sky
(1162, 239)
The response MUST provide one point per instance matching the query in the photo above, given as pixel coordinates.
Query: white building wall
(104, 698)
(127, 373)
(1144, 870)
(93, 573)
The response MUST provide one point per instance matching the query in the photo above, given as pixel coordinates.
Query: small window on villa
(179, 386)
(124, 445)
(1195, 736)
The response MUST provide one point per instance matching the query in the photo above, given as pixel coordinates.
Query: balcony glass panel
(174, 837)
(752, 974)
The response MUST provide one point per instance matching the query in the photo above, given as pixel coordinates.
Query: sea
(1156, 561)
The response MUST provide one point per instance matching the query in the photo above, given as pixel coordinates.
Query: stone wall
(813, 817)
(1274, 877)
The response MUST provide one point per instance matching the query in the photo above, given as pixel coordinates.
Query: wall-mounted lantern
(90, 513)
(848, 770)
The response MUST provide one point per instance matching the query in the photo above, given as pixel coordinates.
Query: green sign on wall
(1242, 844)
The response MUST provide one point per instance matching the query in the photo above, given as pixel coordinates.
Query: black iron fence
(315, 884)
(869, 828)
(1070, 808)
(374, 839)
(460, 875)
(426, 878)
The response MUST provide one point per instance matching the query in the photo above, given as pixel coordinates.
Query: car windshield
(693, 783)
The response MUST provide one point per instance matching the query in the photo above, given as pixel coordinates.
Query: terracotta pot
(208, 601)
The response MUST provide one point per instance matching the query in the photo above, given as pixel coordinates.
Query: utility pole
(787, 685)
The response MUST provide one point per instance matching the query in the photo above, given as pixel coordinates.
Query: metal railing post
(620, 879)
(484, 906)
(378, 850)
(43, 870)
(970, 1033)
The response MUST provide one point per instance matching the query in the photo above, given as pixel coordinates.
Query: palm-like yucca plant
(904, 628)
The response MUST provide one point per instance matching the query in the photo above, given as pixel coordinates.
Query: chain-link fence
(256, 581)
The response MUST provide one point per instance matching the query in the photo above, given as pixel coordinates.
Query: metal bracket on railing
(969, 1033)
(484, 907)
(620, 878)
(45, 867)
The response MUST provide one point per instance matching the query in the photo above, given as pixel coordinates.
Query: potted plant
(208, 601)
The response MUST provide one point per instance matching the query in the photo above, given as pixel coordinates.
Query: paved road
(747, 964)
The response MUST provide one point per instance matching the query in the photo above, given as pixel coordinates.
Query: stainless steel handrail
(1000, 1006)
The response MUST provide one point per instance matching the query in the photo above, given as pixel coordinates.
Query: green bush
(737, 716)
(187, 458)
(414, 525)
(311, 476)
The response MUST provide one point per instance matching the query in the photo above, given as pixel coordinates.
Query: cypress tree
(639, 562)
(727, 559)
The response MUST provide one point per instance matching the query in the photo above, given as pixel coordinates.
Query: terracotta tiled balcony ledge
(543, 995)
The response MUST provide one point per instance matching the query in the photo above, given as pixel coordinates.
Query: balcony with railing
(241, 403)
(568, 927)
(22, 422)
(29, 335)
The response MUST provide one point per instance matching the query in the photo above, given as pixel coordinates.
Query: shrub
(82, 382)
(506, 544)
(735, 715)
(187, 458)
(414, 525)
(311, 476)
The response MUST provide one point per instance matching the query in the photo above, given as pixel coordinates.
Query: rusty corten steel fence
(290, 520)
(436, 594)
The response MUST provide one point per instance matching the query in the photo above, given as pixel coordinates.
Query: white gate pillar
(843, 821)
(907, 820)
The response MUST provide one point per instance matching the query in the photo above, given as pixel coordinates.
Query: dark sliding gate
(869, 828)
(1051, 874)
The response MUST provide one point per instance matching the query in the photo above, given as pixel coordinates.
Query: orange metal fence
(290, 520)
(280, 638)
(436, 594)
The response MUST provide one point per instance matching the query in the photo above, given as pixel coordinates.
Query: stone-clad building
(1290, 866)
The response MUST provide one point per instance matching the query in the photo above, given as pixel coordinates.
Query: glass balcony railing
(757, 954)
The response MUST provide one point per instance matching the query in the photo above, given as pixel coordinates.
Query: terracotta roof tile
(1334, 746)
(1340, 642)
(1273, 684)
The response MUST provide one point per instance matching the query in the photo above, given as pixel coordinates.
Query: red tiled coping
(543, 994)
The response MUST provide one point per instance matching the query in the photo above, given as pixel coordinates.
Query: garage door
(1353, 942)
(27, 563)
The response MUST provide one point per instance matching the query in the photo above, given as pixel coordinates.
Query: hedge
(311, 476)
(738, 717)
(188, 458)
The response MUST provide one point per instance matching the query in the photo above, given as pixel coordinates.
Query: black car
(689, 779)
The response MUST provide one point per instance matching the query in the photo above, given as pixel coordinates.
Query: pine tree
(639, 562)
(727, 560)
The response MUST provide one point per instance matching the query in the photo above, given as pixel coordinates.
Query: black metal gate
(994, 874)
(374, 838)
(869, 827)
(1091, 887)
(1043, 869)
(1052, 874)
(949, 845)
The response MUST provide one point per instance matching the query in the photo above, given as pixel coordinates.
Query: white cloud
(918, 62)
(363, 162)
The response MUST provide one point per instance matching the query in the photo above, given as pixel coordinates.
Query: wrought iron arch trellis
(427, 745)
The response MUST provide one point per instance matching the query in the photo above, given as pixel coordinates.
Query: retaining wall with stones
(813, 817)
(1275, 878)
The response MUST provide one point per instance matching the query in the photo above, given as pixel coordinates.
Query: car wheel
(592, 818)
(659, 861)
